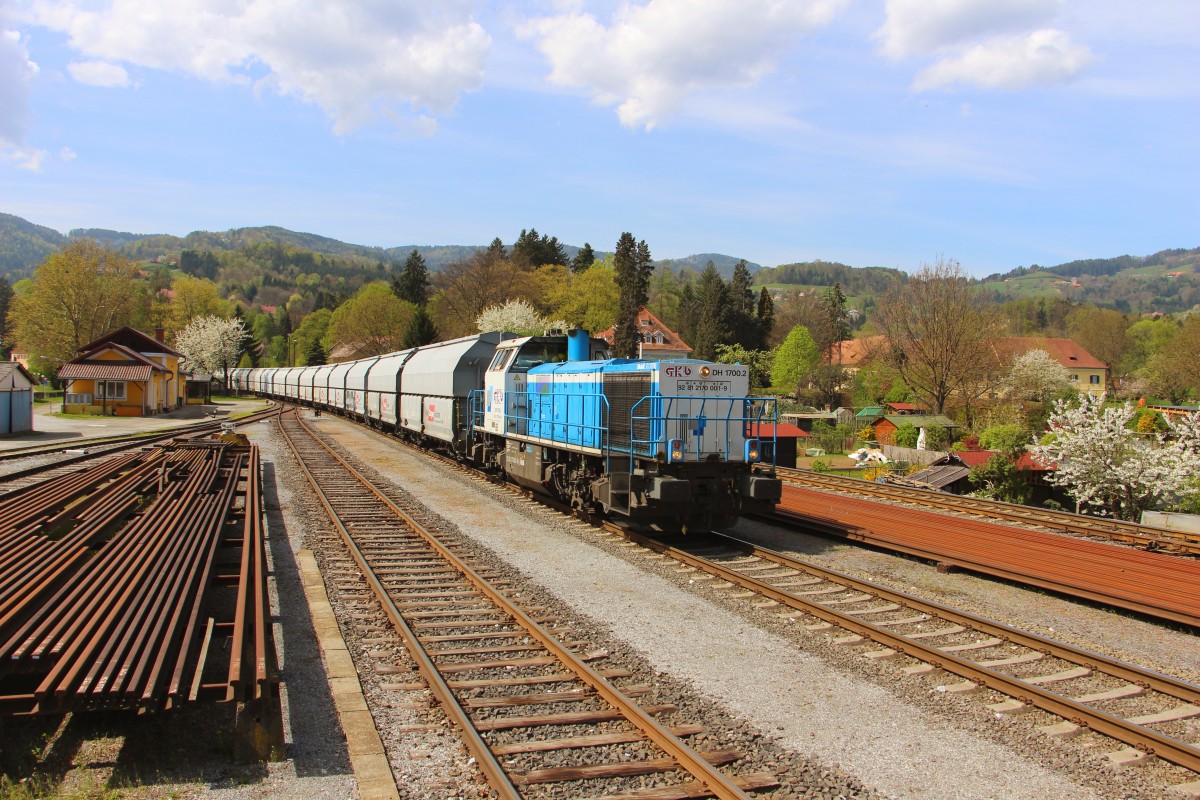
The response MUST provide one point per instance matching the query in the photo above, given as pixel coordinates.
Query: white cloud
(17, 73)
(652, 56)
(983, 43)
(99, 73)
(356, 59)
(1041, 58)
(21, 157)
(67, 154)
(924, 27)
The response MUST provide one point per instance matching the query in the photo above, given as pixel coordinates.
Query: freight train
(669, 445)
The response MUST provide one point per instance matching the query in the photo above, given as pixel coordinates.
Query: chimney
(160, 334)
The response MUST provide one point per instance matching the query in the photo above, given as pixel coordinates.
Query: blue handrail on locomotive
(667, 444)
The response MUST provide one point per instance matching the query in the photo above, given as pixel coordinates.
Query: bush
(936, 437)
(1005, 438)
(906, 435)
(819, 466)
(865, 434)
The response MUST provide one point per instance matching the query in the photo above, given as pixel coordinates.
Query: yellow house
(125, 373)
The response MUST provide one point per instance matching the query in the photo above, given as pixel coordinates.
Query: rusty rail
(111, 579)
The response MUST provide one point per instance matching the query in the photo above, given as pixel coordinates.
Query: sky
(998, 133)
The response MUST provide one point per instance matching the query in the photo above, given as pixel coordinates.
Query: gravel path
(903, 742)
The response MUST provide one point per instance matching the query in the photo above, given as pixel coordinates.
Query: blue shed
(16, 399)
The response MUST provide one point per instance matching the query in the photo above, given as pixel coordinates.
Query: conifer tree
(632, 265)
(496, 251)
(713, 319)
(316, 355)
(412, 284)
(583, 259)
(766, 315)
(421, 329)
(742, 318)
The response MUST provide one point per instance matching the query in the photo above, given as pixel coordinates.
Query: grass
(37, 787)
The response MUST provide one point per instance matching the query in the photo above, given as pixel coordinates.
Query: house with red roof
(124, 373)
(1087, 373)
(655, 340)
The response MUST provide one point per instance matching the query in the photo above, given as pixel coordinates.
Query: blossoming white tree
(1105, 465)
(1035, 376)
(516, 316)
(211, 344)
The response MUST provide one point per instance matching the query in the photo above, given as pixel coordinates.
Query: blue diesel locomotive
(670, 445)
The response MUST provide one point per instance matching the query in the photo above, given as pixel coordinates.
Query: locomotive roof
(608, 365)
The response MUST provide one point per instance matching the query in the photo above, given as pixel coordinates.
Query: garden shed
(16, 399)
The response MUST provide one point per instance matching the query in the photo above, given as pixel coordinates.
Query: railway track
(1142, 536)
(89, 452)
(1147, 713)
(536, 716)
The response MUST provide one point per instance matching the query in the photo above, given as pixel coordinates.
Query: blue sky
(877, 133)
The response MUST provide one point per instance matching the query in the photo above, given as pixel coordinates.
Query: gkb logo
(679, 372)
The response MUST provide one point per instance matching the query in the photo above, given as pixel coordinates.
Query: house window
(110, 390)
(1094, 379)
(1074, 379)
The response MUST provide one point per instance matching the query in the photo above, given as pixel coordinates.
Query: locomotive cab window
(534, 354)
(500, 360)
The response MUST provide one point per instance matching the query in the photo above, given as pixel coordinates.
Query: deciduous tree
(372, 322)
(77, 295)
(1035, 375)
(1113, 470)
(465, 288)
(192, 298)
(514, 316)
(938, 331)
(1101, 331)
(211, 344)
(1174, 371)
(588, 299)
(6, 296)
(794, 360)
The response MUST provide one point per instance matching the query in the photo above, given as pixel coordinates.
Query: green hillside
(23, 245)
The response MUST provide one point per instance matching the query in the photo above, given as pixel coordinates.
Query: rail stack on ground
(140, 584)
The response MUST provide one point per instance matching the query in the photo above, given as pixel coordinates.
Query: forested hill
(1177, 260)
(853, 280)
(143, 246)
(23, 244)
(698, 262)
(1168, 282)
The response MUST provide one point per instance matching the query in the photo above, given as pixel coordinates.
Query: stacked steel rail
(1146, 537)
(1146, 710)
(137, 584)
(472, 644)
(1154, 584)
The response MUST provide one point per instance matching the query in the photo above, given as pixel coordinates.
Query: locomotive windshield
(535, 354)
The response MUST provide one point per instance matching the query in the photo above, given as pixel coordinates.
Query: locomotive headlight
(676, 450)
(704, 371)
(752, 451)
